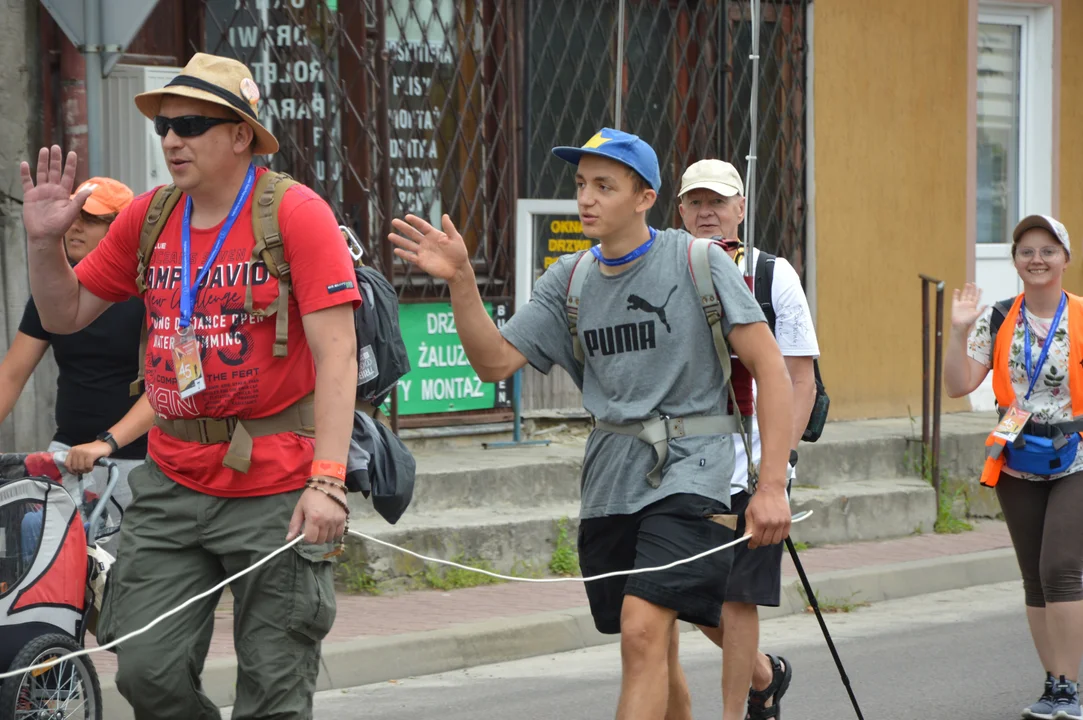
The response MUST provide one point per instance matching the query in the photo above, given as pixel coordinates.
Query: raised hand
(48, 207)
(965, 309)
(440, 253)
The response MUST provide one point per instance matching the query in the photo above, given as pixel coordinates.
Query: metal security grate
(451, 106)
(686, 90)
(780, 168)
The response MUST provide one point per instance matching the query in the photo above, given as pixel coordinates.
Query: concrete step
(531, 476)
(864, 510)
(522, 539)
(891, 448)
(466, 476)
(525, 477)
(511, 539)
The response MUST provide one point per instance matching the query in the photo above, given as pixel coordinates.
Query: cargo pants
(176, 543)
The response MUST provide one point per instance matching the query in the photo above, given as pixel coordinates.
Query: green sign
(441, 379)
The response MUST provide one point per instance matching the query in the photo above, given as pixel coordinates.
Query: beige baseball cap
(716, 175)
(1046, 222)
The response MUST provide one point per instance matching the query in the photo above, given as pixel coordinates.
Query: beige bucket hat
(219, 80)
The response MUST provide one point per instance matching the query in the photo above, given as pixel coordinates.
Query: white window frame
(1035, 107)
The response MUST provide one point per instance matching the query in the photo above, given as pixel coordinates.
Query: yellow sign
(566, 236)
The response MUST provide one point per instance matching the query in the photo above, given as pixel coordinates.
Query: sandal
(780, 683)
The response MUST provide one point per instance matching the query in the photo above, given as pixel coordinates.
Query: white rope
(187, 603)
(795, 519)
(155, 621)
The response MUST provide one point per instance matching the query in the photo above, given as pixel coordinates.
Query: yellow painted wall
(890, 90)
(1071, 130)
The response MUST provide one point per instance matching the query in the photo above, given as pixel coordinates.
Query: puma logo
(637, 303)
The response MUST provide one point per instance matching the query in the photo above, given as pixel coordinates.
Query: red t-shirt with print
(243, 377)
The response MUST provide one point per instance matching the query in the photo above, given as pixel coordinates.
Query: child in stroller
(51, 577)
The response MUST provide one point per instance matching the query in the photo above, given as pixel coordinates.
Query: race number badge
(187, 365)
(1011, 424)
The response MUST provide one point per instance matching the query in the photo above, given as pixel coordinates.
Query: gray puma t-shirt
(648, 350)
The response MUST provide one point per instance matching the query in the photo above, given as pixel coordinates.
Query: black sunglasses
(187, 126)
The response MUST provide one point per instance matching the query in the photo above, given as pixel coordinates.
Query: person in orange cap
(95, 415)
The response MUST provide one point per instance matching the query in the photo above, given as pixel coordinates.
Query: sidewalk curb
(378, 659)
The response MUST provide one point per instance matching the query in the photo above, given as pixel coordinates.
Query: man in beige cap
(713, 205)
(242, 458)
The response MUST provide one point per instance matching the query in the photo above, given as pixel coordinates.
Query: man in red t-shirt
(240, 460)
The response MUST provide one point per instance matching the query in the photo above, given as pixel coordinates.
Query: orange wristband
(329, 469)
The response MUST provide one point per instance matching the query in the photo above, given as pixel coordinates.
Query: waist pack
(1046, 453)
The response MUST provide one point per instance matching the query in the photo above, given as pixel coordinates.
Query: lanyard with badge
(186, 360)
(1033, 373)
(1015, 418)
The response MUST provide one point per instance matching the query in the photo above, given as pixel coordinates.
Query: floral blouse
(1051, 401)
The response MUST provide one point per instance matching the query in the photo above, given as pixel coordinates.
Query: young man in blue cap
(637, 352)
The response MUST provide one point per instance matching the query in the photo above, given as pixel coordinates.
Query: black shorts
(674, 528)
(756, 577)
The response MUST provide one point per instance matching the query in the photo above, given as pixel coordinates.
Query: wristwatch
(793, 458)
(107, 437)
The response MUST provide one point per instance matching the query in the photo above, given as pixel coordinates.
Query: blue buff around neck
(625, 259)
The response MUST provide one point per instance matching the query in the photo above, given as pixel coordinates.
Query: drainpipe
(73, 118)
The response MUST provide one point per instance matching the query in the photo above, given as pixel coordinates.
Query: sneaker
(1043, 709)
(1066, 700)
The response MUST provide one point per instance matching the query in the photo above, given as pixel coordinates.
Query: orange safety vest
(1002, 382)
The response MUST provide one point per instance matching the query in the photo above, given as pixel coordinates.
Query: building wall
(30, 425)
(890, 123)
(1071, 130)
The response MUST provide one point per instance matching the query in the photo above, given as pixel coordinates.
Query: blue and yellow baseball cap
(620, 146)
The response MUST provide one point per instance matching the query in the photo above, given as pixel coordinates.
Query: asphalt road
(959, 655)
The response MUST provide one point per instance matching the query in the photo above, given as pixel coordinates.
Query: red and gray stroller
(46, 598)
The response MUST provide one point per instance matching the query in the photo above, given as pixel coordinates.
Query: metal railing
(930, 421)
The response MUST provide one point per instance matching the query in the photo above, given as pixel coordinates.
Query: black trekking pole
(823, 626)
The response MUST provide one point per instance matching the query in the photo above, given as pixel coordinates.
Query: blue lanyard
(1032, 374)
(187, 300)
(637, 253)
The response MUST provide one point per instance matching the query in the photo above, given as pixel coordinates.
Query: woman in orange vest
(1034, 347)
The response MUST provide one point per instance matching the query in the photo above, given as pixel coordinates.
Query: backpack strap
(571, 305)
(1000, 311)
(764, 278)
(269, 190)
(699, 264)
(161, 205)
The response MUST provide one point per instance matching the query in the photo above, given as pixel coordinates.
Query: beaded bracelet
(329, 483)
(311, 485)
(314, 484)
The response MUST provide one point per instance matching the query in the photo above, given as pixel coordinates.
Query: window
(1000, 62)
(1014, 117)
